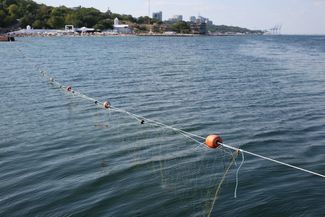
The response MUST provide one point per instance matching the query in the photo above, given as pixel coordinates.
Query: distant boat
(85, 30)
(6, 38)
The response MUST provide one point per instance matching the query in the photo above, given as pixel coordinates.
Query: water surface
(61, 156)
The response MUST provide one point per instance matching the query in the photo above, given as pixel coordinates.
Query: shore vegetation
(15, 14)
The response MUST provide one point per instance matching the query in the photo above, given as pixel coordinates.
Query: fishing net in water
(163, 170)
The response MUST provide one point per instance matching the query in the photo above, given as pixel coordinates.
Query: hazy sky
(295, 16)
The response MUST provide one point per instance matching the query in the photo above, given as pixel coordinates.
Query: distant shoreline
(52, 33)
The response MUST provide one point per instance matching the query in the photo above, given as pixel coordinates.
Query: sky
(295, 16)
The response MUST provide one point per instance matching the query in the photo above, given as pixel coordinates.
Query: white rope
(275, 161)
(237, 172)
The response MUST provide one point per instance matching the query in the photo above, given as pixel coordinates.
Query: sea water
(62, 156)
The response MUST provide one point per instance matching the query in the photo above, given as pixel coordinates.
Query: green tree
(104, 24)
(181, 27)
(24, 21)
(128, 18)
(43, 12)
(56, 20)
(144, 20)
(13, 10)
(9, 20)
(88, 16)
(38, 24)
(108, 14)
(71, 19)
(2, 17)
(9, 2)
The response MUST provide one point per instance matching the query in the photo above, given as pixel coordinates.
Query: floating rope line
(212, 141)
(273, 160)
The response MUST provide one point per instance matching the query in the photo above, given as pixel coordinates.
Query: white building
(116, 21)
(69, 28)
(121, 28)
(157, 15)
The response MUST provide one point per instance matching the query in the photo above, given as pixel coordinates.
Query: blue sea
(61, 155)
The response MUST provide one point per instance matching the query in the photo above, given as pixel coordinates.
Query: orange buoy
(69, 88)
(106, 104)
(212, 141)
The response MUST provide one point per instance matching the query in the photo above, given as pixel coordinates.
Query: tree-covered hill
(225, 29)
(39, 16)
(16, 14)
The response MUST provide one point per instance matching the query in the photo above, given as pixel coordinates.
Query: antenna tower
(148, 8)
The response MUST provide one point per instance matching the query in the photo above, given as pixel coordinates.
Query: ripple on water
(60, 155)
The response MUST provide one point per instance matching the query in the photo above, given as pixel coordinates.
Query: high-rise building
(176, 18)
(157, 15)
(193, 19)
(209, 22)
(203, 29)
(200, 25)
(201, 19)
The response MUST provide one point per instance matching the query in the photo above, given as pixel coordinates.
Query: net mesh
(170, 166)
